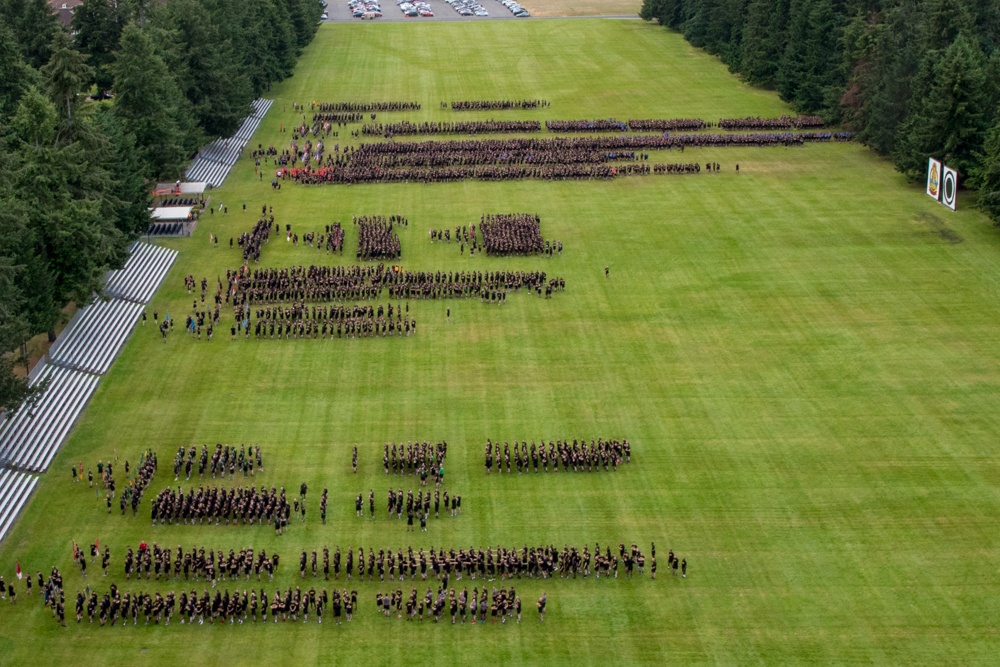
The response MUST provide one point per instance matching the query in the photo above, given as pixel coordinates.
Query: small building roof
(171, 213)
(187, 188)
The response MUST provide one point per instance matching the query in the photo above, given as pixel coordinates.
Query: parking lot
(338, 10)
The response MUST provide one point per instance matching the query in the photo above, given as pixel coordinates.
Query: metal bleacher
(138, 279)
(93, 338)
(214, 162)
(85, 350)
(15, 489)
(30, 439)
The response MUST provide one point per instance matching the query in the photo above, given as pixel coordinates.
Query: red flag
(18, 569)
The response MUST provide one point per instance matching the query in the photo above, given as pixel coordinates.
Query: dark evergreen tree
(986, 174)
(97, 25)
(34, 24)
(15, 76)
(763, 41)
(150, 106)
(211, 75)
(948, 117)
(66, 75)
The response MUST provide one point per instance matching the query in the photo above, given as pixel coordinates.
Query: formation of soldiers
(248, 288)
(406, 128)
(225, 459)
(413, 505)
(238, 506)
(595, 125)
(666, 124)
(298, 321)
(514, 172)
(364, 106)
(780, 123)
(503, 605)
(497, 105)
(507, 234)
(423, 459)
(331, 239)
(132, 493)
(376, 240)
(547, 158)
(489, 563)
(251, 242)
(465, 235)
(576, 456)
(672, 168)
(198, 563)
(337, 118)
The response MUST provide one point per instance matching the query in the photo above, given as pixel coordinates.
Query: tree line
(913, 78)
(91, 117)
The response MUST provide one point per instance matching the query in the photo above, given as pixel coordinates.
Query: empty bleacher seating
(141, 276)
(214, 162)
(94, 336)
(15, 489)
(30, 439)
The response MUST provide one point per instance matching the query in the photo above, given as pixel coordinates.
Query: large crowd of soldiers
(198, 563)
(507, 234)
(547, 158)
(251, 242)
(364, 107)
(780, 123)
(666, 124)
(377, 240)
(238, 506)
(406, 128)
(490, 563)
(594, 125)
(545, 172)
(496, 105)
(465, 235)
(503, 605)
(224, 460)
(576, 456)
(298, 321)
(249, 288)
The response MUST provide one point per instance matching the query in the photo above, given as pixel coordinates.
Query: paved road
(339, 12)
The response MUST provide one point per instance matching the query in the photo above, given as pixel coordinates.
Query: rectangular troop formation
(215, 161)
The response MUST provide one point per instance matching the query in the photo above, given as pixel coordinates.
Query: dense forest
(91, 117)
(913, 78)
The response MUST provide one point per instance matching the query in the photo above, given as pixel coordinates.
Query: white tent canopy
(171, 213)
(187, 188)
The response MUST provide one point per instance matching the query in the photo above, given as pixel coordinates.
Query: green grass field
(804, 357)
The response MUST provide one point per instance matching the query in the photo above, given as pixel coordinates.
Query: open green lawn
(805, 364)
